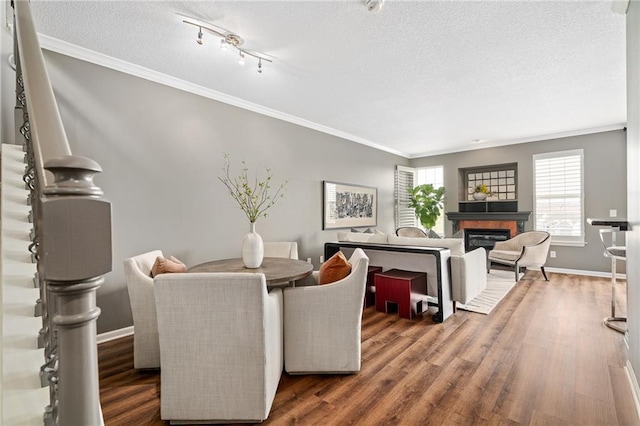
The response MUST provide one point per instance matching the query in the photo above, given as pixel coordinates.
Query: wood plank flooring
(542, 357)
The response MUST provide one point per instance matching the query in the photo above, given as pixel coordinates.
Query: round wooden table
(276, 270)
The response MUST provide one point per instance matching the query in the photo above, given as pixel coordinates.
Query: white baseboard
(585, 273)
(114, 334)
(635, 389)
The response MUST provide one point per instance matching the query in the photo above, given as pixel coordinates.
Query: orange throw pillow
(166, 266)
(334, 269)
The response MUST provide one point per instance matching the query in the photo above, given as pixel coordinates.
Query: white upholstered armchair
(322, 324)
(220, 346)
(525, 249)
(137, 272)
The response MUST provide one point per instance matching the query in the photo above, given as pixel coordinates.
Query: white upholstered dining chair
(220, 346)
(284, 249)
(322, 323)
(137, 272)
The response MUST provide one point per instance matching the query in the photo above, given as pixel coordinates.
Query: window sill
(569, 243)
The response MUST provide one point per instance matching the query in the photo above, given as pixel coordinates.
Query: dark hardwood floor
(542, 357)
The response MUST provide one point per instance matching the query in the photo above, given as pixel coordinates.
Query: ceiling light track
(227, 39)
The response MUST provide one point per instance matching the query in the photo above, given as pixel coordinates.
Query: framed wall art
(347, 205)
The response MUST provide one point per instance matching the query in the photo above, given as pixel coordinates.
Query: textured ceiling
(417, 78)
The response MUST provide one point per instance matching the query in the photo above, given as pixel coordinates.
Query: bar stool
(615, 253)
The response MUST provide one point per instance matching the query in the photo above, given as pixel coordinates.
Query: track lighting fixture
(227, 39)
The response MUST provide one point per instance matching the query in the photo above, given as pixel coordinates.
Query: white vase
(479, 196)
(252, 248)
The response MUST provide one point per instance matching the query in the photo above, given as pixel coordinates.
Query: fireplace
(514, 221)
(484, 237)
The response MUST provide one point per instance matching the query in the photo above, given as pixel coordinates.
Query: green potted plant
(427, 202)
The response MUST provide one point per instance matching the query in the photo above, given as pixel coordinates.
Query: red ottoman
(405, 288)
(370, 291)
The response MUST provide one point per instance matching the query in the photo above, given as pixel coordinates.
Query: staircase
(23, 398)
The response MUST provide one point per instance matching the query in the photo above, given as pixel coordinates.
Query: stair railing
(70, 239)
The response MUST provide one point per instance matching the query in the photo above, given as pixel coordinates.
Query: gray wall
(162, 152)
(633, 190)
(604, 183)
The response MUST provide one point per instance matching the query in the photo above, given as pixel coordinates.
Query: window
(405, 178)
(408, 177)
(435, 176)
(558, 196)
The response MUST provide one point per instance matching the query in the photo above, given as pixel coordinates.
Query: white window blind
(404, 179)
(558, 196)
(435, 176)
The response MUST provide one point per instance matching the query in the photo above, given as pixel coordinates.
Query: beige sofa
(466, 274)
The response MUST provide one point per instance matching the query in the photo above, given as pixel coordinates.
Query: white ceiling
(418, 78)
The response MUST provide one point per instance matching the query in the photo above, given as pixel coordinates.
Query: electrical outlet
(613, 213)
(321, 260)
(552, 254)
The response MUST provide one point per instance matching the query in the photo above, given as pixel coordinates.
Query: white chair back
(220, 345)
(137, 273)
(283, 249)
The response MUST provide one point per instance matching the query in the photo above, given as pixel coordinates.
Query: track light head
(199, 40)
(241, 58)
(374, 5)
(259, 65)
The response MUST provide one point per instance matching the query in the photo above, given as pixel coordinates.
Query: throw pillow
(334, 269)
(173, 259)
(166, 266)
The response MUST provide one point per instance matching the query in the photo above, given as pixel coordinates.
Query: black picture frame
(348, 205)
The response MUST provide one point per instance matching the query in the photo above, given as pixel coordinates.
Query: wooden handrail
(44, 116)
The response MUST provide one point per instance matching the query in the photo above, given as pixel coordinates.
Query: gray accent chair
(528, 249)
(322, 323)
(412, 232)
(220, 346)
(137, 273)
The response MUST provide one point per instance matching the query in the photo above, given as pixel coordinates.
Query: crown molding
(87, 55)
(538, 138)
(620, 6)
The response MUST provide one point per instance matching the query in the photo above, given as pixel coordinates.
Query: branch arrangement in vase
(254, 197)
